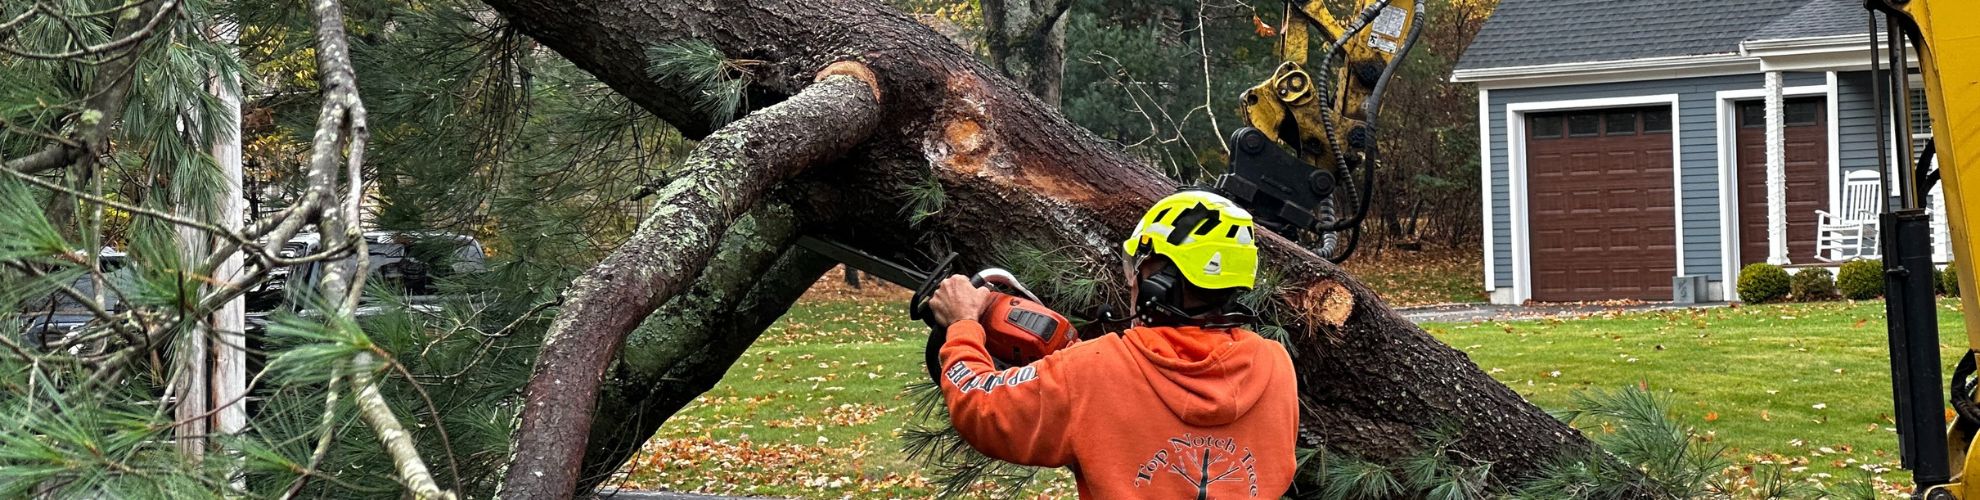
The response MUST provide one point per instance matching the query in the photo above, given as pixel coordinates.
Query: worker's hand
(957, 300)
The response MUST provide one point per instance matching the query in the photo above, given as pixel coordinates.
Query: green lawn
(815, 409)
(1803, 384)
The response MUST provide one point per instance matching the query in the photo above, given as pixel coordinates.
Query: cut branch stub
(729, 172)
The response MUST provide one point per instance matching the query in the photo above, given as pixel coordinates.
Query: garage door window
(1545, 126)
(1600, 123)
(1584, 125)
(1619, 123)
(1657, 120)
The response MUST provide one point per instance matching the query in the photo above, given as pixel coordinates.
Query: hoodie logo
(1200, 461)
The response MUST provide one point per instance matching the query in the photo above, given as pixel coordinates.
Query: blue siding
(1697, 123)
(1857, 130)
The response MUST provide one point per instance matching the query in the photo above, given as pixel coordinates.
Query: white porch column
(1776, 174)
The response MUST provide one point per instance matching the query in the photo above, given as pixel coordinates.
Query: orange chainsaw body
(1018, 331)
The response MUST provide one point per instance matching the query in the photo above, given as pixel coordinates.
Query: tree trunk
(1027, 41)
(1015, 175)
(727, 173)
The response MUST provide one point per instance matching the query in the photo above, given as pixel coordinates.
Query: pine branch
(127, 42)
(376, 413)
(323, 439)
(343, 112)
(105, 105)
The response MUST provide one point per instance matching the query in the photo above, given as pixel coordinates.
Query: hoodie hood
(1205, 377)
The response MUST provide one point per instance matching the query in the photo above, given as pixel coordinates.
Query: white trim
(1728, 204)
(1803, 45)
(1777, 249)
(1728, 152)
(1515, 119)
(1833, 113)
(1615, 70)
(1485, 183)
(1823, 53)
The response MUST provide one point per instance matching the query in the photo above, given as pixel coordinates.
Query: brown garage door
(1807, 171)
(1600, 204)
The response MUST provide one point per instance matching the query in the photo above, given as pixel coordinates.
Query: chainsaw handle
(999, 276)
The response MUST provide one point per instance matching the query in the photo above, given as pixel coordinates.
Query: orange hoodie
(1151, 413)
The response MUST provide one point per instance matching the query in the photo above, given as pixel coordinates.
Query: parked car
(46, 320)
(407, 262)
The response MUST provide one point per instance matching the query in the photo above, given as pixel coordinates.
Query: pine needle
(705, 72)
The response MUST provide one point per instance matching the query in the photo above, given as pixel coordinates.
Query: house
(1624, 144)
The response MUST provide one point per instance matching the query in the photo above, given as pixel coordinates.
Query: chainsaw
(1018, 328)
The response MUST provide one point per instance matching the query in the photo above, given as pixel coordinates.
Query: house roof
(1818, 18)
(1542, 32)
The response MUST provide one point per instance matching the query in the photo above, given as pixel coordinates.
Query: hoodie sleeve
(1017, 415)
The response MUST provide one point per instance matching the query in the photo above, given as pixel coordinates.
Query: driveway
(1455, 313)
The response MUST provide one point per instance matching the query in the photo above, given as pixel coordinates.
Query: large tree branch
(691, 322)
(725, 175)
(692, 344)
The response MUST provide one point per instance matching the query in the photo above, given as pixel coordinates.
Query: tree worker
(1183, 404)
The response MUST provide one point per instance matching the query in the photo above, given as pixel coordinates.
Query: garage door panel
(1601, 217)
(1806, 169)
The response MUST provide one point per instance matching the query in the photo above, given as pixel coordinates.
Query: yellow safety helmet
(1208, 237)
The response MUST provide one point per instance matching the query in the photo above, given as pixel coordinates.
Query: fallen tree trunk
(1015, 179)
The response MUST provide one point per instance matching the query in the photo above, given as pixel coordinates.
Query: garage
(1805, 144)
(1600, 204)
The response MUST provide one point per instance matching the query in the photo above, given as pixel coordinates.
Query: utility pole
(211, 384)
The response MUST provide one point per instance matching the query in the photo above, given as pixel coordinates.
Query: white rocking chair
(1852, 234)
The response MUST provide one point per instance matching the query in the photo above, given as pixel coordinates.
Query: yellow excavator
(1941, 455)
(1305, 164)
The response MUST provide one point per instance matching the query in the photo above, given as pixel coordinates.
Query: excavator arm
(1311, 126)
(1942, 456)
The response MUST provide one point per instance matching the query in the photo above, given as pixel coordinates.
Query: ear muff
(1161, 293)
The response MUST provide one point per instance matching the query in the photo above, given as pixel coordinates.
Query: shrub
(1949, 281)
(1761, 283)
(1813, 284)
(1861, 279)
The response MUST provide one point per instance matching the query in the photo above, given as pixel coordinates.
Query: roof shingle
(1819, 18)
(1535, 32)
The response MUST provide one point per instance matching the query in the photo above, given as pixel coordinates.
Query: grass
(1806, 385)
(815, 409)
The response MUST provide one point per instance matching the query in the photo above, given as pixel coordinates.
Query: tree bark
(727, 173)
(1027, 41)
(1014, 174)
(710, 336)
